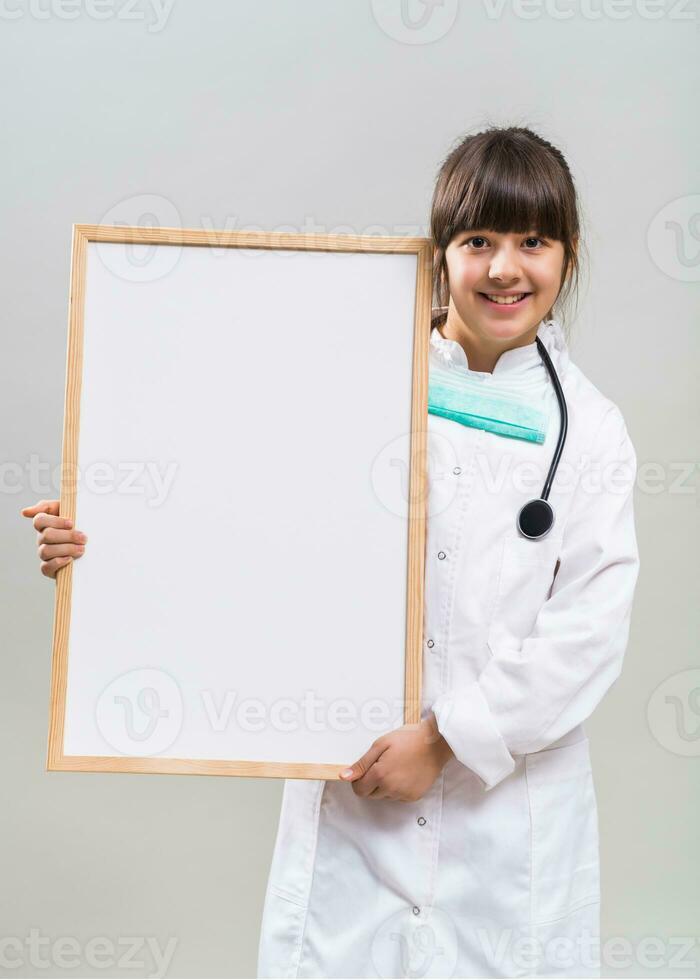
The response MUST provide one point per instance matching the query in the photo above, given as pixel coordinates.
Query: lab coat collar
(518, 362)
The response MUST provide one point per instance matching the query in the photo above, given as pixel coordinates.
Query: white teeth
(506, 300)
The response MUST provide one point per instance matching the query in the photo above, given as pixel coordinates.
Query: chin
(507, 331)
(505, 326)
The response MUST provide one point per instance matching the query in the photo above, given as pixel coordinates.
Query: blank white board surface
(243, 595)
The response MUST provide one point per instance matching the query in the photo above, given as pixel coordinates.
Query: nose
(505, 266)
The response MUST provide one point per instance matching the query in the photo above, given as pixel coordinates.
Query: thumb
(360, 767)
(47, 506)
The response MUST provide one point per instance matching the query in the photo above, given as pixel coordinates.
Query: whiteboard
(243, 444)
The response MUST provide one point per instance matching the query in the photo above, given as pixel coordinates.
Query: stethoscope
(536, 517)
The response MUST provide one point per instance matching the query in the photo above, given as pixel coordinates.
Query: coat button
(415, 910)
(421, 821)
(431, 643)
(441, 555)
(457, 470)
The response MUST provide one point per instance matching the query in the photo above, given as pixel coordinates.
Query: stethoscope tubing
(564, 418)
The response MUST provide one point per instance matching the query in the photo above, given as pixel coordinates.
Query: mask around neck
(468, 402)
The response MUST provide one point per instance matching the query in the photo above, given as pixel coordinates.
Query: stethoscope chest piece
(535, 518)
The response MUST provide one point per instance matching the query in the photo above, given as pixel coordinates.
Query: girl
(467, 845)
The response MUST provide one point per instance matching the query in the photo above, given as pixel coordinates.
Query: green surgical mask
(495, 409)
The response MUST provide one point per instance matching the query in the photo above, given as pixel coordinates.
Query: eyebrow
(486, 231)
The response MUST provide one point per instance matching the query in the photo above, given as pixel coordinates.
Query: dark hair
(507, 179)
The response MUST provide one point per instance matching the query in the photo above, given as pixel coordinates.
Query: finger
(367, 784)
(359, 768)
(382, 793)
(49, 568)
(50, 506)
(379, 793)
(44, 519)
(55, 535)
(49, 551)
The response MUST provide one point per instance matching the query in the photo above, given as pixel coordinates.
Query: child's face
(483, 262)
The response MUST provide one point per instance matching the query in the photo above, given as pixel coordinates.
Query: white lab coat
(495, 871)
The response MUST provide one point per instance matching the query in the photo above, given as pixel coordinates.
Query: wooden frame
(83, 236)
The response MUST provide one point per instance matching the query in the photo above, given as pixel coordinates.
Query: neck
(482, 352)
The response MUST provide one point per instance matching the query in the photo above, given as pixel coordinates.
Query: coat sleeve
(534, 691)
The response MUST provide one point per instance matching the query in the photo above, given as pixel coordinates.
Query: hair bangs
(505, 193)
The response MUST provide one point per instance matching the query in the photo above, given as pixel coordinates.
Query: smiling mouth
(496, 299)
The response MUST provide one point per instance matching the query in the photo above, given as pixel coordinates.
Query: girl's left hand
(401, 765)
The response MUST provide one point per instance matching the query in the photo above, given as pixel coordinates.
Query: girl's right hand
(57, 541)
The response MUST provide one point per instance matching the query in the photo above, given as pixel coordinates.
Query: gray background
(335, 116)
